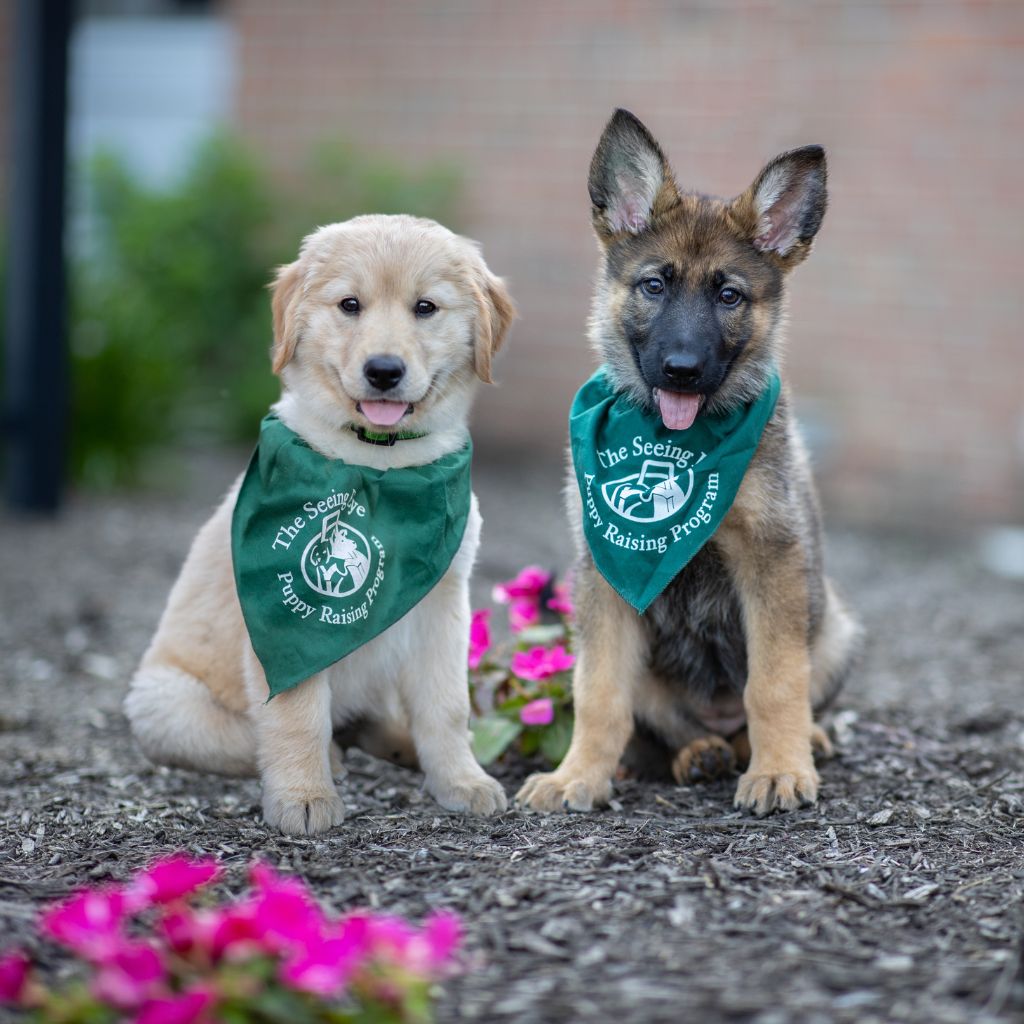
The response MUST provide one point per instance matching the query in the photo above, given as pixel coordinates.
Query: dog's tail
(179, 723)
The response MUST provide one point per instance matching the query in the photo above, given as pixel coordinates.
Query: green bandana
(652, 497)
(328, 555)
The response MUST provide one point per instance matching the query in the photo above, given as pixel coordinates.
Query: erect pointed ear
(494, 315)
(284, 302)
(784, 207)
(630, 179)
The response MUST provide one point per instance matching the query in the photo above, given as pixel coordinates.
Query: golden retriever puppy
(382, 328)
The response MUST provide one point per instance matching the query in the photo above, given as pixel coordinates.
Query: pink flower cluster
(523, 596)
(542, 662)
(173, 976)
(479, 636)
(523, 687)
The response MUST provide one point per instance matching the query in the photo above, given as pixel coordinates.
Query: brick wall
(904, 345)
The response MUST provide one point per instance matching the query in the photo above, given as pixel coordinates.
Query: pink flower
(130, 976)
(538, 712)
(389, 937)
(424, 952)
(523, 613)
(170, 879)
(323, 967)
(284, 912)
(479, 636)
(236, 932)
(522, 595)
(230, 932)
(89, 922)
(186, 930)
(443, 934)
(186, 1008)
(528, 584)
(541, 662)
(14, 968)
(561, 601)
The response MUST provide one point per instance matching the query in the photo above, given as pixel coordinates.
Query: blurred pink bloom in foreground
(442, 933)
(538, 712)
(324, 966)
(285, 912)
(129, 976)
(542, 662)
(186, 1008)
(186, 930)
(479, 636)
(13, 976)
(170, 879)
(156, 959)
(89, 923)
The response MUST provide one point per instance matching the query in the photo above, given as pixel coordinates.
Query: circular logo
(653, 494)
(336, 562)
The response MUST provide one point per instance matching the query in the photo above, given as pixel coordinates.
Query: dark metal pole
(36, 372)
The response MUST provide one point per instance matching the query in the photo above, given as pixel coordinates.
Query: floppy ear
(630, 179)
(784, 207)
(286, 288)
(494, 316)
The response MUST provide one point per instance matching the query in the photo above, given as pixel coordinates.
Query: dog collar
(373, 437)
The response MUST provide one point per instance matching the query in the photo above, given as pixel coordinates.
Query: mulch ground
(897, 898)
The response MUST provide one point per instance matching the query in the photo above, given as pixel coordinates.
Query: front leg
(294, 746)
(610, 642)
(436, 697)
(771, 579)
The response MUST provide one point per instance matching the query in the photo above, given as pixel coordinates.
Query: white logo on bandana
(653, 494)
(336, 562)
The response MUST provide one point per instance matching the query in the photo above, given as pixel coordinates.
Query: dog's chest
(695, 630)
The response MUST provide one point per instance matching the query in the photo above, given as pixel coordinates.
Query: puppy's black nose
(682, 368)
(384, 372)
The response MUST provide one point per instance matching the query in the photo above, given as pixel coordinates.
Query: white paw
(478, 795)
(303, 813)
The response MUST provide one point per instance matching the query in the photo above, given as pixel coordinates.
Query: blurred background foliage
(170, 317)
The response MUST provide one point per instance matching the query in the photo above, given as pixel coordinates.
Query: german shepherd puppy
(727, 665)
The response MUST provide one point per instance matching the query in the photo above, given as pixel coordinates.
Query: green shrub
(170, 318)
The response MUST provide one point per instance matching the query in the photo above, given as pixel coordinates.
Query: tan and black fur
(727, 665)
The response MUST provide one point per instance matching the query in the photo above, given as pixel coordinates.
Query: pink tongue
(677, 411)
(384, 414)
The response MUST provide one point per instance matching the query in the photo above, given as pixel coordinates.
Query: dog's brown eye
(349, 305)
(425, 308)
(729, 297)
(653, 285)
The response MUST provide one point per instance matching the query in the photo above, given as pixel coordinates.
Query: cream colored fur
(199, 698)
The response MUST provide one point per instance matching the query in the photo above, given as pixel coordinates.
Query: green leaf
(555, 738)
(510, 708)
(492, 736)
(529, 743)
